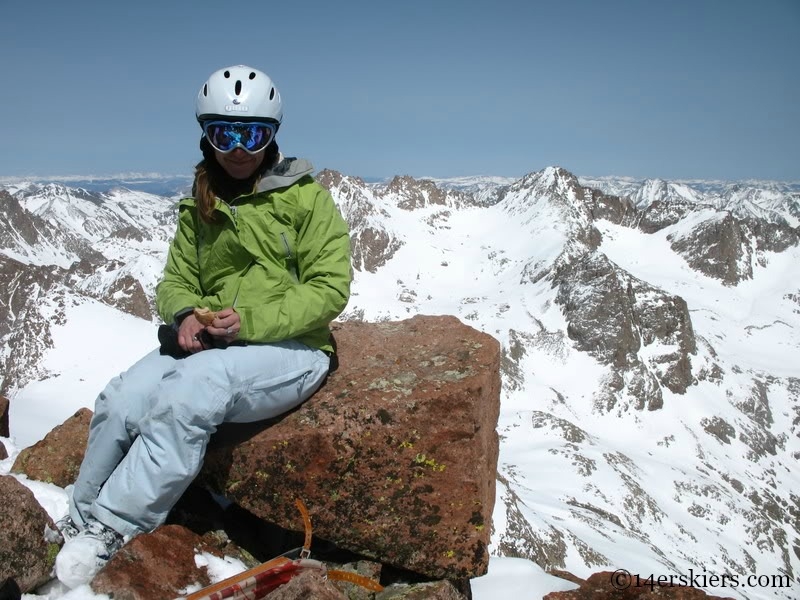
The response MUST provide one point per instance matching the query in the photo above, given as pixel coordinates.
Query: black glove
(168, 338)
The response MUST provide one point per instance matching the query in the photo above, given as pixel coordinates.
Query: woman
(261, 244)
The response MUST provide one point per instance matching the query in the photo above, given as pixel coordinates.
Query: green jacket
(280, 256)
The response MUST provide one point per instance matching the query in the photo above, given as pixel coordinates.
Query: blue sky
(673, 89)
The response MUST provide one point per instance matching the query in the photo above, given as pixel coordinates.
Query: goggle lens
(226, 136)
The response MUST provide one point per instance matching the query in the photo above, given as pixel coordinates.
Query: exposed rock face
(718, 248)
(3, 417)
(27, 289)
(59, 467)
(611, 208)
(128, 295)
(413, 194)
(558, 213)
(613, 315)
(772, 237)
(663, 213)
(726, 248)
(395, 456)
(372, 244)
(30, 236)
(29, 540)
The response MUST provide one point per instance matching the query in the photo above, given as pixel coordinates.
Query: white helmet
(239, 93)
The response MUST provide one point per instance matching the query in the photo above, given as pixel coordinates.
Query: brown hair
(212, 182)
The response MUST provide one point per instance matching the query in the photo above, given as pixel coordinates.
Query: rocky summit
(395, 456)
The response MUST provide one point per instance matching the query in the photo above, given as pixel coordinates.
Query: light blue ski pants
(152, 424)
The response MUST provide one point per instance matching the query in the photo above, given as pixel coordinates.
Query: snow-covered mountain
(774, 201)
(60, 246)
(650, 330)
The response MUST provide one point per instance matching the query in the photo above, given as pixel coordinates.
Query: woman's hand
(189, 334)
(226, 326)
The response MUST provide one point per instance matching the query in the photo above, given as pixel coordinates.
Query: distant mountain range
(650, 331)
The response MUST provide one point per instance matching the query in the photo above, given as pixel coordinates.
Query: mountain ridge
(651, 395)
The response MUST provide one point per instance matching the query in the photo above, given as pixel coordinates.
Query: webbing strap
(306, 552)
(350, 577)
(338, 575)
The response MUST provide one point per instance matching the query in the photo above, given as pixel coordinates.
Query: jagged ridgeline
(650, 332)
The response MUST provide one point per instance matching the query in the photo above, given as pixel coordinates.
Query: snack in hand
(205, 315)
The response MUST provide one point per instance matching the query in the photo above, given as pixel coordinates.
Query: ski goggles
(226, 136)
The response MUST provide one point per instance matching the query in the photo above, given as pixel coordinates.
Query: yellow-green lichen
(425, 461)
(52, 552)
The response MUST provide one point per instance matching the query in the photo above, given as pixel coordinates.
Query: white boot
(85, 554)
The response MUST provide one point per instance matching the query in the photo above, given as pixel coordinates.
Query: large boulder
(155, 566)
(29, 540)
(395, 456)
(57, 458)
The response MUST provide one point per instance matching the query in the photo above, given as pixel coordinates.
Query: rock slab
(155, 566)
(57, 457)
(395, 456)
(29, 540)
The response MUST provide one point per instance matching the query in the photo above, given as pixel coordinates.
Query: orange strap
(347, 576)
(361, 580)
(247, 578)
(307, 525)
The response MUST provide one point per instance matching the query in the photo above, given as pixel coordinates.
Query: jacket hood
(287, 171)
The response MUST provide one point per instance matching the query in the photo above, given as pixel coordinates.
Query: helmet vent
(238, 87)
(205, 90)
(252, 75)
(227, 74)
(271, 93)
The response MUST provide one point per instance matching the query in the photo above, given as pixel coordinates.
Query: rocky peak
(553, 187)
(658, 190)
(551, 181)
(24, 325)
(614, 317)
(58, 192)
(663, 212)
(352, 196)
(372, 241)
(410, 194)
(771, 204)
(558, 212)
(30, 238)
(616, 209)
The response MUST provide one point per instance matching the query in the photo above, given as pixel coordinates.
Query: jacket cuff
(182, 314)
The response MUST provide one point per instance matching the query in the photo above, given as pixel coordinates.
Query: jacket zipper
(289, 258)
(233, 211)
